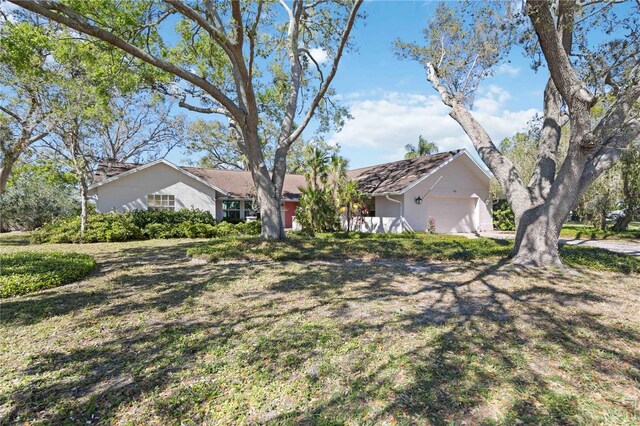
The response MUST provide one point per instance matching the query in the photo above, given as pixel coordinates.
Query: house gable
(129, 191)
(154, 164)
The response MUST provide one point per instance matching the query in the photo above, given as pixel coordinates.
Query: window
(249, 209)
(161, 202)
(230, 209)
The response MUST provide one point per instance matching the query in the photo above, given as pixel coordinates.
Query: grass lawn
(584, 232)
(413, 247)
(153, 336)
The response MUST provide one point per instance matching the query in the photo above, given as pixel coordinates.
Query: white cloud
(491, 99)
(382, 126)
(319, 55)
(506, 69)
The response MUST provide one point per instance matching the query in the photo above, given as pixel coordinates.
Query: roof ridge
(453, 152)
(227, 170)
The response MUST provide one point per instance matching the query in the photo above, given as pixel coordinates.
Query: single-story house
(450, 189)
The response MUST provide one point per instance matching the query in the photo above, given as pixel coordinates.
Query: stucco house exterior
(449, 187)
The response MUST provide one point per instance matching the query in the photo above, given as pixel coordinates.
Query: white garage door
(452, 214)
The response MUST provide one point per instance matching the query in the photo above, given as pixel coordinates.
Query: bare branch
(310, 56)
(203, 110)
(325, 86)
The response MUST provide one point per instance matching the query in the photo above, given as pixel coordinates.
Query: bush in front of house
(117, 227)
(140, 225)
(100, 228)
(503, 217)
(25, 272)
(142, 218)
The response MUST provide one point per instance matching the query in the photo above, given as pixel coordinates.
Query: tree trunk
(622, 223)
(270, 215)
(536, 242)
(603, 220)
(84, 201)
(7, 167)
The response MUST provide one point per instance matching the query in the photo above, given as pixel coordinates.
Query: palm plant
(350, 198)
(424, 148)
(317, 170)
(320, 202)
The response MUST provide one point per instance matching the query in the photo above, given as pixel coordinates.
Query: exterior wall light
(418, 200)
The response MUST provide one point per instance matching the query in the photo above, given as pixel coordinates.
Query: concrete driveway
(620, 246)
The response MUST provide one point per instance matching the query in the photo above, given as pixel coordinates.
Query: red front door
(289, 212)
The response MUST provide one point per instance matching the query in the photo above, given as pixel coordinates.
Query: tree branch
(11, 114)
(66, 16)
(503, 169)
(203, 110)
(325, 86)
(546, 162)
(607, 156)
(564, 75)
(308, 53)
(192, 14)
(434, 79)
(236, 13)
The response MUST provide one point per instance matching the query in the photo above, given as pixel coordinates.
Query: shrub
(431, 225)
(197, 230)
(503, 217)
(137, 225)
(224, 229)
(142, 218)
(26, 272)
(249, 228)
(160, 231)
(111, 227)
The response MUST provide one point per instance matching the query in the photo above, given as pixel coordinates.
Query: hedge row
(26, 272)
(140, 225)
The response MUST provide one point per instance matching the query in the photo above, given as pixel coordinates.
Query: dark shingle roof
(108, 170)
(381, 179)
(240, 183)
(396, 176)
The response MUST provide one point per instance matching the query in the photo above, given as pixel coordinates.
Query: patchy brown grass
(155, 337)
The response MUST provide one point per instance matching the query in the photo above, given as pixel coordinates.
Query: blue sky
(392, 103)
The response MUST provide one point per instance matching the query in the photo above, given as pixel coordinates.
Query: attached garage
(450, 187)
(452, 214)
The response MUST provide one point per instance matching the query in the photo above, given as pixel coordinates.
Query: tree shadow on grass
(486, 342)
(465, 340)
(35, 307)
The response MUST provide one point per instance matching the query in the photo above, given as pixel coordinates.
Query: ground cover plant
(157, 338)
(25, 272)
(579, 231)
(140, 225)
(416, 246)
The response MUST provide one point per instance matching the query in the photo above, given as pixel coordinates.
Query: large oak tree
(591, 52)
(229, 58)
